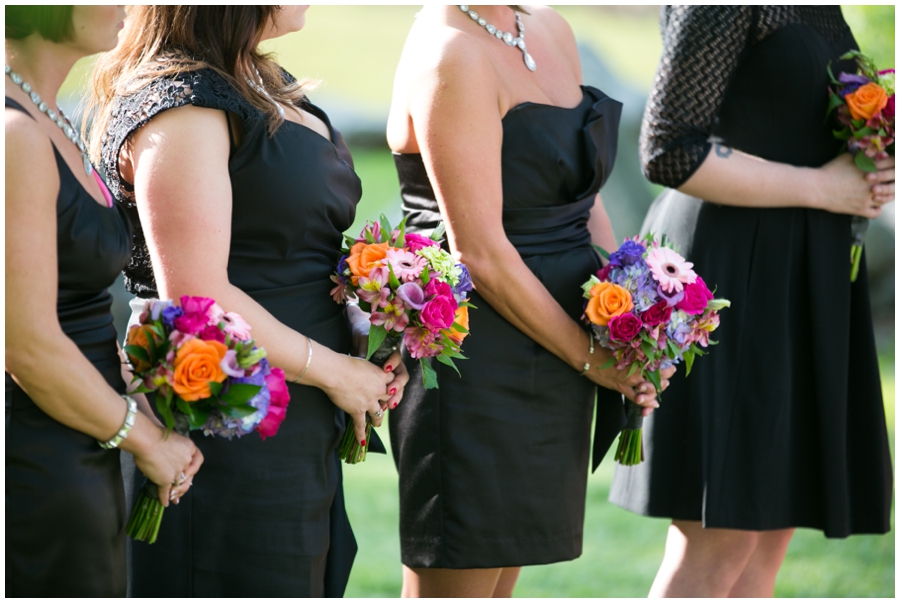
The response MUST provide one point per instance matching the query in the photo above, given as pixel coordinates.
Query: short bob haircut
(53, 23)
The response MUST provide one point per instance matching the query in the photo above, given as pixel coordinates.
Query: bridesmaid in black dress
(65, 245)
(240, 190)
(493, 466)
(782, 425)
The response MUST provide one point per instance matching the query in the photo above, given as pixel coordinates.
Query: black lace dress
(782, 425)
(493, 466)
(263, 518)
(65, 504)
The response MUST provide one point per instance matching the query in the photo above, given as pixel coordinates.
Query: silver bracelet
(587, 365)
(308, 360)
(126, 426)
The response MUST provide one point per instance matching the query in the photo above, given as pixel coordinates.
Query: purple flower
(671, 298)
(630, 252)
(465, 283)
(849, 78)
(412, 294)
(170, 314)
(229, 365)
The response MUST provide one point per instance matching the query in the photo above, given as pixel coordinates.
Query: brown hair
(166, 40)
(53, 23)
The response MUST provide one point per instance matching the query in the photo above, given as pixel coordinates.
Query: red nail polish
(393, 391)
(388, 368)
(394, 405)
(363, 443)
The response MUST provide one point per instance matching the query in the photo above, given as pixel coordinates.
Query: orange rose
(866, 101)
(196, 364)
(363, 258)
(462, 317)
(607, 300)
(138, 335)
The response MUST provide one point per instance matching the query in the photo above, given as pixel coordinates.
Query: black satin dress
(263, 518)
(493, 465)
(65, 504)
(782, 424)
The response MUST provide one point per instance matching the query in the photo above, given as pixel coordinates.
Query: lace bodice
(202, 88)
(703, 46)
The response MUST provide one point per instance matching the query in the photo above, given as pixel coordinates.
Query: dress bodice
(751, 77)
(293, 192)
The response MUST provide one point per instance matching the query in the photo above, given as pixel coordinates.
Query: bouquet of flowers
(865, 110)
(414, 291)
(207, 374)
(651, 310)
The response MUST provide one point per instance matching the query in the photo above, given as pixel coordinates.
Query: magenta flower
(669, 269)
(279, 397)
(373, 228)
(197, 314)
(438, 288)
(406, 266)
(438, 313)
(656, 314)
(412, 295)
(696, 296)
(212, 333)
(624, 327)
(416, 242)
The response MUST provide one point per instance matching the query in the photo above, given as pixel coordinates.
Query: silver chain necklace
(506, 37)
(57, 116)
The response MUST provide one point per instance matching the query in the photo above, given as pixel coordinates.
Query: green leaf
(350, 241)
(368, 237)
(634, 367)
(163, 407)
(429, 377)
(867, 131)
(864, 162)
(833, 79)
(647, 347)
(238, 412)
(401, 238)
(377, 334)
(196, 416)
(449, 362)
(654, 378)
(842, 134)
(834, 101)
(158, 329)
(672, 349)
(392, 279)
(240, 393)
(426, 278)
(608, 364)
(138, 352)
(458, 327)
(603, 253)
(386, 228)
(215, 388)
(438, 233)
(688, 362)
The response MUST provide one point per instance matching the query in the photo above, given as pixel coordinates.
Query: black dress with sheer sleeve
(65, 503)
(263, 518)
(493, 465)
(782, 424)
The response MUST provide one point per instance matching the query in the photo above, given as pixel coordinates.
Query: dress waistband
(546, 230)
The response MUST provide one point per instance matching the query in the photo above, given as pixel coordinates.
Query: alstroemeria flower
(373, 289)
(393, 316)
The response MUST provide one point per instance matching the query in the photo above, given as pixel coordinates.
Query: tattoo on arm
(723, 151)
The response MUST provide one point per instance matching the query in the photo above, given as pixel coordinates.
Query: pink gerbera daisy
(406, 266)
(670, 269)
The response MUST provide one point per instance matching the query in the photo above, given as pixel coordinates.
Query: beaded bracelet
(126, 426)
(587, 365)
(308, 360)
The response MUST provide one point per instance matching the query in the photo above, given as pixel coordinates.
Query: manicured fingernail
(643, 388)
(393, 391)
(388, 368)
(394, 405)
(363, 443)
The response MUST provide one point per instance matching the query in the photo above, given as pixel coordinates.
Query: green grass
(622, 551)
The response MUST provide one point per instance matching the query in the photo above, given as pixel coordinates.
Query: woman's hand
(169, 461)
(635, 388)
(844, 189)
(882, 181)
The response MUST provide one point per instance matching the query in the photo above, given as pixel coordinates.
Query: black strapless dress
(65, 504)
(263, 518)
(782, 425)
(493, 465)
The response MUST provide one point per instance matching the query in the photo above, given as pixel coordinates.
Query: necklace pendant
(529, 62)
(88, 167)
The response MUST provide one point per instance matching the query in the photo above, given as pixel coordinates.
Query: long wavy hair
(166, 40)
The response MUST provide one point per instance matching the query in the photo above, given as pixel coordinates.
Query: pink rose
(624, 327)
(212, 333)
(888, 112)
(438, 288)
(696, 297)
(656, 314)
(438, 313)
(279, 397)
(415, 242)
(197, 314)
(603, 273)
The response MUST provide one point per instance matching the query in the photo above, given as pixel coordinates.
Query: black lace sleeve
(702, 46)
(202, 88)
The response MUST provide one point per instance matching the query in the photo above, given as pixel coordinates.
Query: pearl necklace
(506, 37)
(57, 116)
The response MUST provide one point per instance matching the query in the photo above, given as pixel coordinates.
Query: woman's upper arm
(455, 110)
(702, 46)
(183, 191)
(32, 187)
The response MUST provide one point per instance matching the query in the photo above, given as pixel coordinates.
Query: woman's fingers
(359, 427)
(376, 414)
(397, 385)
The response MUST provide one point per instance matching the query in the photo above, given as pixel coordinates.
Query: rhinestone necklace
(57, 116)
(507, 37)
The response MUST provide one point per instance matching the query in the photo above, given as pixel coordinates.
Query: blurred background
(354, 50)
